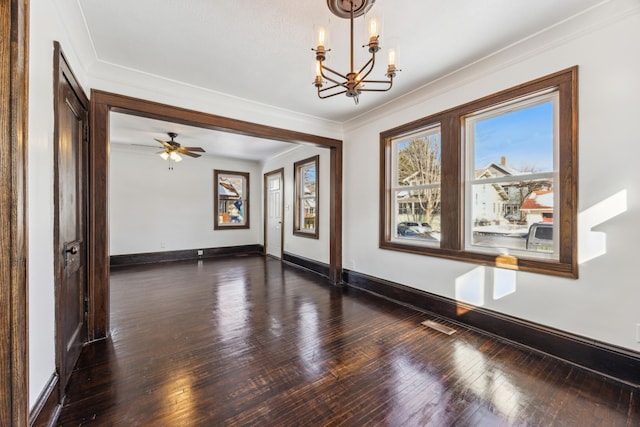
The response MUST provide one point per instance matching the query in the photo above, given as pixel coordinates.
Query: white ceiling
(261, 50)
(140, 132)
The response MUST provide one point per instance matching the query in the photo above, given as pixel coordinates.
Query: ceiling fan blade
(196, 149)
(187, 153)
(164, 143)
(184, 150)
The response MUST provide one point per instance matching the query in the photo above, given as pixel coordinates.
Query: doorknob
(72, 250)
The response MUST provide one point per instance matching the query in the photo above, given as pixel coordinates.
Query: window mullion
(451, 183)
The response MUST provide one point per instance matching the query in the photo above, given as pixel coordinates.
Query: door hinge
(86, 306)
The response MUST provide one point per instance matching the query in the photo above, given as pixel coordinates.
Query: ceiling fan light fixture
(173, 150)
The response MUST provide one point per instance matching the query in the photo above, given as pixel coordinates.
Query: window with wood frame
(306, 179)
(231, 200)
(493, 181)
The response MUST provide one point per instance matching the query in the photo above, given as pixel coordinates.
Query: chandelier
(352, 83)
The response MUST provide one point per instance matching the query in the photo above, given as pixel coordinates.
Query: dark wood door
(70, 154)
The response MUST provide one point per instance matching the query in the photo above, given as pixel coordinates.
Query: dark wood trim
(297, 231)
(611, 361)
(452, 183)
(150, 109)
(101, 104)
(265, 213)
(246, 203)
(98, 247)
(308, 264)
(335, 216)
(47, 408)
(181, 255)
(14, 101)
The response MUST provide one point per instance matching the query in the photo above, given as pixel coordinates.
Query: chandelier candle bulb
(322, 36)
(392, 57)
(391, 68)
(373, 28)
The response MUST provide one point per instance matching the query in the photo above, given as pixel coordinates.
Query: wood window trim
(297, 230)
(452, 202)
(216, 202)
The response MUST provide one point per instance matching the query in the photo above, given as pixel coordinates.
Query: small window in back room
(306, 197)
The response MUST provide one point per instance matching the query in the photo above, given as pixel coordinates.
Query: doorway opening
(102, 103)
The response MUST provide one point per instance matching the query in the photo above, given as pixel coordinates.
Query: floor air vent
(439, 327)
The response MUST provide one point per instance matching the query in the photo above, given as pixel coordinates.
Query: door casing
(14, 100)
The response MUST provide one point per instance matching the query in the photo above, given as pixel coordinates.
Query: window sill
(552, 268)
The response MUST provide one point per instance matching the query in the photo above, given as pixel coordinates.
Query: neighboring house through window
(231, 195)
(471, 182)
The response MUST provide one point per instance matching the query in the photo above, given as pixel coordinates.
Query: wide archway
(102, 103)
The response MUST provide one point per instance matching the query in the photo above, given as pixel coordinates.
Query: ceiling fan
(172, 149)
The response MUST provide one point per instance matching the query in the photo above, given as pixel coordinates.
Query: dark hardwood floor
(246, 341)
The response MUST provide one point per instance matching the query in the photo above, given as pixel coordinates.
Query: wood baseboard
(182, 255)
(47, 408)
(614, 362)
(308, 264)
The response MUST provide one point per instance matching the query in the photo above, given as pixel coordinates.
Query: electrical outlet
(200, 252)
(162, 245)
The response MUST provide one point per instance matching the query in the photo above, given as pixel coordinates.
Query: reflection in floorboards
(245, 341)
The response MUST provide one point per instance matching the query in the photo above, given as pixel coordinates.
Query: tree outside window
(416, 157)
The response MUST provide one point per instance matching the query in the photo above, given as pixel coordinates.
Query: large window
(231, 200)
(493, 181)
(306, 197)
(416, 186)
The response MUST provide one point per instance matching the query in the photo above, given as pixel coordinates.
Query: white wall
(315, 249)
(154, 209)
(603, 303)
(45, 27)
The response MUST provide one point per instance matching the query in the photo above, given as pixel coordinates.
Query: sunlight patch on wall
(470, 287)
(592, 244)
(504, 283)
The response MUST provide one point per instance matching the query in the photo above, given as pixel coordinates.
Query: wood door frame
(265, 215)
(14, 101)
(102, 103)
(62, 71)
